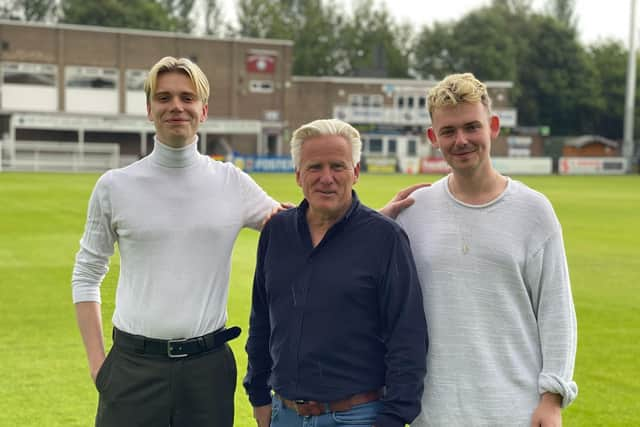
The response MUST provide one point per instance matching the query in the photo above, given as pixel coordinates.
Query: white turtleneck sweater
(175, 215)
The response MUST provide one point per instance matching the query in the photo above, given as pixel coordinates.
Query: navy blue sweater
(339, 319)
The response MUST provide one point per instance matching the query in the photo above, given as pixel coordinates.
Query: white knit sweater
(502, 326)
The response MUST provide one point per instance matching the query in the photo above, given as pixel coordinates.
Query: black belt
(175, 347)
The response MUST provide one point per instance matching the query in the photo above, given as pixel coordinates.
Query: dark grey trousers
(138, 390)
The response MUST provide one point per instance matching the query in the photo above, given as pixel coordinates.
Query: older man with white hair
(337, 332)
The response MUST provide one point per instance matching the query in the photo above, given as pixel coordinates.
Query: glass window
(400, 101)
(375, 145)
(29, 74)
(411, 147)
(391, 146)
(410, 102)
(422, 102)
(91, 78)
(135, 80)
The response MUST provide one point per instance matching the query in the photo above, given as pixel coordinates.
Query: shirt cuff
(260, 398)
(549, 383)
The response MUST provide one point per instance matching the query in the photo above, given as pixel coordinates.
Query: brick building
(84, 84)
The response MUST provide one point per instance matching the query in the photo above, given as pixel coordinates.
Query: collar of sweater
(170, 157)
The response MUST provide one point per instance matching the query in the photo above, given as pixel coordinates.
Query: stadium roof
(581, 141)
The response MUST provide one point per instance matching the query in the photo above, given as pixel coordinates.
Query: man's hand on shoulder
(549, 412)
(262, 414)
(401, 201)
(282, 207)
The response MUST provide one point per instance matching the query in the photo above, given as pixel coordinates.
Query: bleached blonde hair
(169, 64)
(456, 89)
(325, 127)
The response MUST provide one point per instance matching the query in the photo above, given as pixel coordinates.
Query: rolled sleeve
(556, 320)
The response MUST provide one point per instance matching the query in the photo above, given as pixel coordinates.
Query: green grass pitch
(44, 378)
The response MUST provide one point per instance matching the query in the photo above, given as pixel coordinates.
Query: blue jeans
(359, 416)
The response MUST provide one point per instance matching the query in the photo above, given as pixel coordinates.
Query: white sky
(597, 19)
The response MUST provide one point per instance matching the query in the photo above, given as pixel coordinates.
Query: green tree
(610, 61)
(558, 83)
(264, 19)
(478, 42)
(555, 82)
(375, 44)
(212, 15)
(29, 10)
(316, 31)
(326, 41)
(142, 14)
(563, 11)
(180, 11)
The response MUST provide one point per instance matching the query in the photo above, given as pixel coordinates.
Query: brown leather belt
(308, 408)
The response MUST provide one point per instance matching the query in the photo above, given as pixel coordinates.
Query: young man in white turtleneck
(491, 261)
(175, 216)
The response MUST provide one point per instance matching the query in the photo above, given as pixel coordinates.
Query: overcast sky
(597, 19)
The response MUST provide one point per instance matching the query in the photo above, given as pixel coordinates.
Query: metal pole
(627, 141)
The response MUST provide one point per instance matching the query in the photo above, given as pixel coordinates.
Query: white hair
(325, 127)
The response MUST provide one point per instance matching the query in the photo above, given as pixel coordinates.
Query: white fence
(50, 156)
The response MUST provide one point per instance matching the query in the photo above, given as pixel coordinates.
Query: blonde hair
(169, 64)
(325, 127)
(458, 88)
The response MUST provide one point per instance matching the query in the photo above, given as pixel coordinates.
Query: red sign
(261, 63)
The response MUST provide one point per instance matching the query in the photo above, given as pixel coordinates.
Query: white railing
(48, 156)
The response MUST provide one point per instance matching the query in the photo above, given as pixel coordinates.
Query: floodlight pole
(627, 139)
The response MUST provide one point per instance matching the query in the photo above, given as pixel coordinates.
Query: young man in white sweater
(175, 216)
(491, 260)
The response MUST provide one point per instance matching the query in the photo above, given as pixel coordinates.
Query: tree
(213, 23)
(142, 14)
(558, 83)
(610, 61)
(563, 11)
(29, 10)
(327, 43)
(478, 42)
(180, 11)
(264, 19)
(555, 82)
(375, 44)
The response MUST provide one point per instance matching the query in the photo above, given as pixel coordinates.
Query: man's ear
(494, 125)
(431, 134)
(205, 113)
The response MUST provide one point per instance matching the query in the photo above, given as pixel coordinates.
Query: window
(375, 145)
(91, 78)
(422, 102)
(135, 80)
(410, 102)
(261, 86)
(411, 147)
(401, 102)
(391, 146)
(29, 74)
(365, 100)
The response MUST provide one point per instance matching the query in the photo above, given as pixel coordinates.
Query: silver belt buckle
(170, 352)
